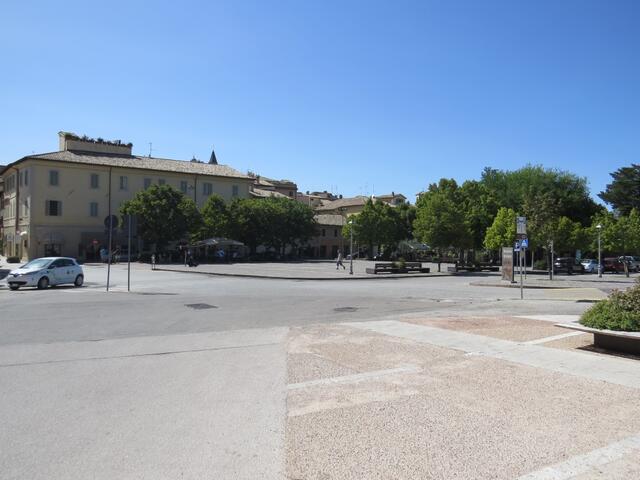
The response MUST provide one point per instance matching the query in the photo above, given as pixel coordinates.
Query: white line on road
(553, 338)
(354, 378)
(584, 463)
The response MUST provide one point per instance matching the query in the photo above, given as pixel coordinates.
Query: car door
(68, 271)
(56, 272)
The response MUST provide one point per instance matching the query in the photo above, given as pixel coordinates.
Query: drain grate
(200, 306)
(345, 309)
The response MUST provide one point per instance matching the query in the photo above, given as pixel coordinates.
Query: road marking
(584, 463)
(553, 338)
(355, 377)
(619, 371)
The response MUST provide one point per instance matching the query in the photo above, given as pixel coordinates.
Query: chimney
(71, 142)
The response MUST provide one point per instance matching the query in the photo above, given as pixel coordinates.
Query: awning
(217, 242)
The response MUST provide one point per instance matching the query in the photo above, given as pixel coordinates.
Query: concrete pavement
(192, 376)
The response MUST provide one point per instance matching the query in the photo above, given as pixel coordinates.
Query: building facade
(59, 203)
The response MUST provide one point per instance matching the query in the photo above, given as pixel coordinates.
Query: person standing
(153, 261)
(339, 261)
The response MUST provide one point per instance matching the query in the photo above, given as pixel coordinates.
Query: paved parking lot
(192, 376)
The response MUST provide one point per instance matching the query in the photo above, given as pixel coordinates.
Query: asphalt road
(186, 376)
(167, 303)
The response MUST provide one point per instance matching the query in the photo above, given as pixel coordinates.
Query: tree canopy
(623, 193)
(164, 215)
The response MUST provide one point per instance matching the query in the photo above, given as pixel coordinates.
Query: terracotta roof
(134, 161)
(342, 202)
(335, 220)
(259, 192)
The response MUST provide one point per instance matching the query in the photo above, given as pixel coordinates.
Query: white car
(43, 272)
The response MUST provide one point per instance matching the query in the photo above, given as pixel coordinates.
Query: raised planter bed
(614, 340)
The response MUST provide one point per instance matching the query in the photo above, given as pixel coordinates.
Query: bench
(476, 267)
(617, 341)
(391, 267)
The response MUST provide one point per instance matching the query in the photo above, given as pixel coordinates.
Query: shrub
(13, 260)
(540, 265)
(621, 311)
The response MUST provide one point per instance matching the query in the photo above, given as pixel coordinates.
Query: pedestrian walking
(339, 261)
(153, 261)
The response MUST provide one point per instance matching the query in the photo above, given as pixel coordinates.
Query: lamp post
(599, 227)
(351, 248)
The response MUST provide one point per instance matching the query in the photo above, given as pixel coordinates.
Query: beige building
(328, 239)
(58, 203)
(354, 205)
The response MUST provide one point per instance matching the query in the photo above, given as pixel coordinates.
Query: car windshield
(37, 263)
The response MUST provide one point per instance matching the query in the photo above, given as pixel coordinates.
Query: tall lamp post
(599, 227)
(351, 248)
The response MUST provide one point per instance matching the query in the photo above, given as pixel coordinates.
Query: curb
(315, 279)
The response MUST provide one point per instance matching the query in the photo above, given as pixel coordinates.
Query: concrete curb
(517, 285)
(315, 279)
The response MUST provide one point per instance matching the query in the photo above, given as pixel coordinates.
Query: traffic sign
(521, 225)
(524, 243)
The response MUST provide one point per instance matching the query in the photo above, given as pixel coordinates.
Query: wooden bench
(391, 267)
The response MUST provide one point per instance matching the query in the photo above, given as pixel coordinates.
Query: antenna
(150, 149)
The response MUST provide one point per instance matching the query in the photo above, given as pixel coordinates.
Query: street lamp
(351, 248)
(599, 227)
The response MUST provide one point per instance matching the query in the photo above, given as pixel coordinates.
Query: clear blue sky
(352, 96)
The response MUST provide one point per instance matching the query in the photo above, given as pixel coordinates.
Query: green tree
(163, 214)
(440, 222)
(480, 208)
(623, 193)
(502, 232)
(273, 222)
(215, 218)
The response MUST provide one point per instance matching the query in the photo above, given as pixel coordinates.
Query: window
(21, 178)
(54, 179)
(25, 208)
(124, 183)
(95, 180)
(183, 186)
(93, 209)
(234, 191)
(207, 189)
(147, 183)
(162, 181)
(53, 208)
(323, 232)
(26, 178)
(335, 232)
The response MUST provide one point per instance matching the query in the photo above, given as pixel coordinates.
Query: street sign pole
(521, 282)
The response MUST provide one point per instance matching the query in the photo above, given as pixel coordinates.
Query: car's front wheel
(14, 287)
(79, 281)
(43, 283)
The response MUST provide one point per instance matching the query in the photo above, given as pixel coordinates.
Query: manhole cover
(200, 306)
(345, 309)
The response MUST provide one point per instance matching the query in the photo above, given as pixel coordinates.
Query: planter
(616, 341)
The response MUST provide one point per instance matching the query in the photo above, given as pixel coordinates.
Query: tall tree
(215, 218)
(164, 215)
(502, 232)
(623, 193)
(440, 220)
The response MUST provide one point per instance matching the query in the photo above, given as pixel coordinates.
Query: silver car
(43, 272)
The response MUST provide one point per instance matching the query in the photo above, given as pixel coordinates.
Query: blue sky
(358, 97)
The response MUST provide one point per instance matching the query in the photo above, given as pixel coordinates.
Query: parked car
(590, 265)
(632, 262)
(46, 271)
(567, 264)
(612, 264)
